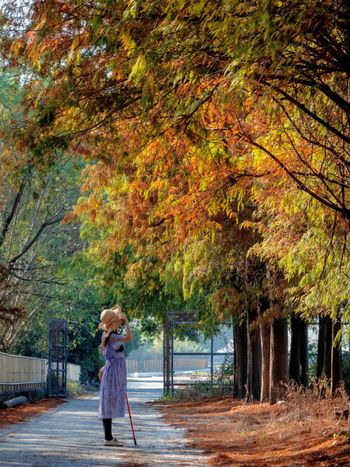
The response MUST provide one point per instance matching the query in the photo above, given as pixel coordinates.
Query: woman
(113, 381)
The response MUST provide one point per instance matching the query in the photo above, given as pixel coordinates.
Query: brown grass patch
(300, 432)
(22, 412)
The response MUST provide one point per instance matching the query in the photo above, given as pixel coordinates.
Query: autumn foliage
(215, 140)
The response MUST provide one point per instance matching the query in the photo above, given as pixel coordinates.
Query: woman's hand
(127, 337)
(122, 317)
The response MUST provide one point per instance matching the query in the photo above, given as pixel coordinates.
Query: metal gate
(57, 365)
(189, 356)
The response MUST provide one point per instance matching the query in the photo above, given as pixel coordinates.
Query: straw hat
(109, 317)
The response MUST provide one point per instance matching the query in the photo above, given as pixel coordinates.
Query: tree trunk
(265, 333)
(294, 359)
(253, 357)
(298, 362)
(335, 358)
(329, 355)
(327, 365)
(279, 358)
(320, 347)
(304, 355)
(240, 359)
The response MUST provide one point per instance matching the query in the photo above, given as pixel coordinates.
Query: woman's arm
(105, 338)
(127, 337)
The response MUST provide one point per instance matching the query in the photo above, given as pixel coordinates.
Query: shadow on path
(71, 434)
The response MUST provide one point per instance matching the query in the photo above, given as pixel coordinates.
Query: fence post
(166, 356)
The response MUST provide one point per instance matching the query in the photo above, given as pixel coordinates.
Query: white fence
(19, 371)
(73, 372)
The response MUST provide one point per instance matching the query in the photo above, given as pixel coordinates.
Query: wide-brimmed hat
(108, 317)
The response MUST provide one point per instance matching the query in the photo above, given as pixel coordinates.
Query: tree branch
(334, 207)
(52, 220)
(11, 214)
(309, 112)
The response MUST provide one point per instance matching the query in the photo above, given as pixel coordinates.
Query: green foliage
(74, 389)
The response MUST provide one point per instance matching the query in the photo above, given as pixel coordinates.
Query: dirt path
(71, 435)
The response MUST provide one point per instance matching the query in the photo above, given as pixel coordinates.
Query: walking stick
(132, 426)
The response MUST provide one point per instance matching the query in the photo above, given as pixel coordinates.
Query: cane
(132, 426)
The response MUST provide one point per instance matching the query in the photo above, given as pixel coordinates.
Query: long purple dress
(113, 383)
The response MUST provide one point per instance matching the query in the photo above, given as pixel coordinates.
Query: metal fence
(190, 356)
(57, 366)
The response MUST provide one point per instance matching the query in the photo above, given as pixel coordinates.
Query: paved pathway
(71, 435)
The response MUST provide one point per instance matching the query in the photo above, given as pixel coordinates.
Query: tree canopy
(213, 143)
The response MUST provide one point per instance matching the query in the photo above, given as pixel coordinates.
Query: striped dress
(113, 383)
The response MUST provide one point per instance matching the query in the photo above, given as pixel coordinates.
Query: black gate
(193, 357)
(57, 370)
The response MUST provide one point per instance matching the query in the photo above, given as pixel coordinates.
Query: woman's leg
(107, 428)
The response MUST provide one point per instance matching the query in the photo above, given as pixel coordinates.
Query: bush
(316, 400)
(74, 389)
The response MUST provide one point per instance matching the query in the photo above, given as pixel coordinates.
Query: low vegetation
(309, 427)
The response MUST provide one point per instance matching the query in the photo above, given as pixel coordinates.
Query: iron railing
(201, 360)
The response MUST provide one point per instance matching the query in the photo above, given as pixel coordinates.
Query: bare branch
(11, 214)
(56, 218)
(40, 280)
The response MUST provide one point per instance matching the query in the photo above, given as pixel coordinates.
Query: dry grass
(316, 403)
(22, 412)
(301, 431)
